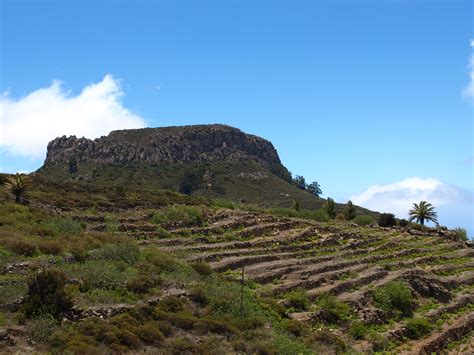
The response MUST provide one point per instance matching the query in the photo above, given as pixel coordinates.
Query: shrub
(395, 298)
(461, 233)
(349, 211)
(140, 283)
(340, 217)
(294, 327)
(202, 268)
(79, 254)
(150, 333)
(22, 247)
(332, 311)
(331, 208)
(363, 220)
(417, 327)
(39, 330)
(171, 304)
(46, 295)
(127, 253)
(326, 337)
(51, 247)
(187, 215)
(222, 203)
(357, 330)
(198, 295)
(387, 220)
(297, 299)
(403, 222)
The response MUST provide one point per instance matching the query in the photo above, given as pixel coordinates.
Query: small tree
(46, 295)
(17, 184)
(387, 220)
(424, 211)
(349, 211)
(331, 207)
(315, 189)
(300, 182)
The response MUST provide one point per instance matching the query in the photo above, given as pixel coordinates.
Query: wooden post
(242, 293)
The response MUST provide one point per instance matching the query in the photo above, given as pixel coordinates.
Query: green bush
(294, 327)
(395, 298)
(222, 203)
(461, 233)
(332, 311)
(198, 295)
(46, 295)
(387, 220)
(319, 215)
(127, 253)
(150, 333)
(297, 299)
(363, 220)
(51, 247)
(171, 304)
(417, 327)
(357, 330)
(79, 253)
(202, 268)
(39, 330)
(187, 215)
(140, 283)
(403, 222)
(22, 247)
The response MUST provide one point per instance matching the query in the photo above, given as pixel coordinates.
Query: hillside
(167, 279)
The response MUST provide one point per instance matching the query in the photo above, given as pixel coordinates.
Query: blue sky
(353, 94)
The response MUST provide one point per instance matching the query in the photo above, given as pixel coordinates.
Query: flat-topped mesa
(184, 144)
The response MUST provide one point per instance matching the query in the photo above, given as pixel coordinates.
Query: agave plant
(424, 211)
(17, 185)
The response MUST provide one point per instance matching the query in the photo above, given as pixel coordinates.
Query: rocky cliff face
(186, 144)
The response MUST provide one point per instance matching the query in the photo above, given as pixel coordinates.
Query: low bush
(150, 333)
(403, 222)
(187, 215)
(395, 298)
(79, 253)
(331, 310)
(294, 327)
(357, 330)
(141, 283)
(363, 220)
(198, 295)
(461, 233)
(417, 327)
(387, 220)
(297, 299)
(340, 217)
(46, 295)
(39, 330)
(51, 247)
(21, 247)
(127, 253)
(222, 203)
(202, 268)
(171, 304)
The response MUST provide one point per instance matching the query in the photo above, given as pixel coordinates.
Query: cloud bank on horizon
(398, 197)
(29, 123)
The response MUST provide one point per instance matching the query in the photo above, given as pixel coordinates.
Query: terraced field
(284, 254)
(281, 257)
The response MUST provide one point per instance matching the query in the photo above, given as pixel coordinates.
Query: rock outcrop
(186, 144)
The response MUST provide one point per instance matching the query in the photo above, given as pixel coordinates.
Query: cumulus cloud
(29, 123)
(468, 91)
(398, 197)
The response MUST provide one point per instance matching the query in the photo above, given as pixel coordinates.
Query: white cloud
(398, 197)
(29, 123)
(468, 91)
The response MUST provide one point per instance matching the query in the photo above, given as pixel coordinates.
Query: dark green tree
(349, 211)
(300, 182)
(331, 208)
(424, 211)
(46, 295)
(315, 189)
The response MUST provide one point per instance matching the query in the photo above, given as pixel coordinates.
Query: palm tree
(423, 211)
(17, 185)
